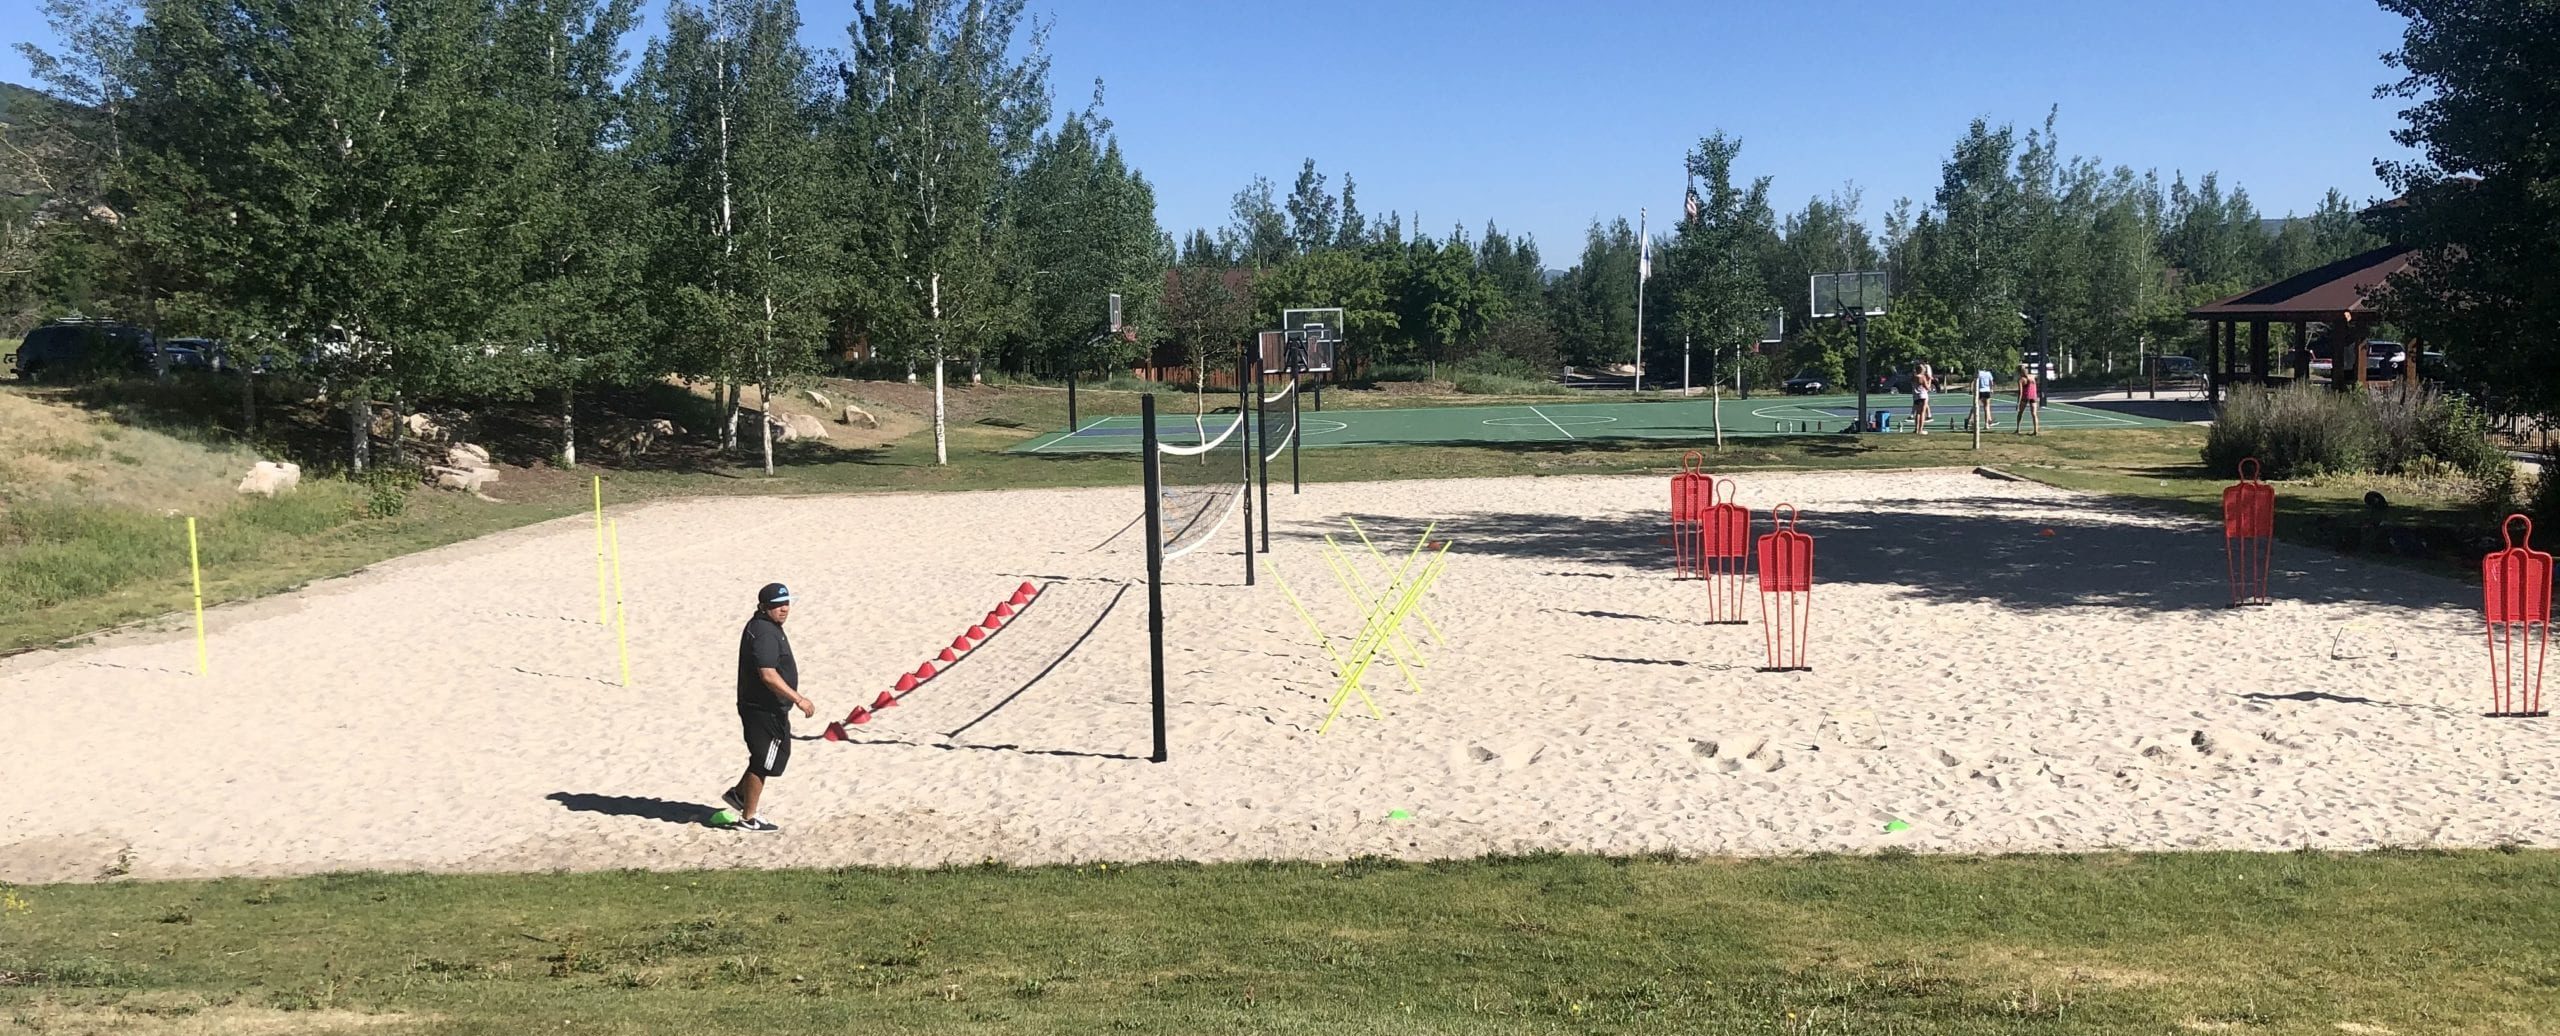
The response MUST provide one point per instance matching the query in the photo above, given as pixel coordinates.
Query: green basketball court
(1567, 422)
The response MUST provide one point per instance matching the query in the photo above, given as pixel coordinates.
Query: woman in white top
(1982, 398)
(1922, 381)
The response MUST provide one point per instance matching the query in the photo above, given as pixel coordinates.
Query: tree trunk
(399, 441)
(568, 427)
(764, 420)
(729, 427)
(359, 442)
(248, 404)
(941, 440)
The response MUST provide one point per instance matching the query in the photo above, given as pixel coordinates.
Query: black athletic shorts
(768, 740)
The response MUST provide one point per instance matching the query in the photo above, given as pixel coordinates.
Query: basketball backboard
(1114, 325)
(1838, 293)
(1775, 330)
(1318, 331)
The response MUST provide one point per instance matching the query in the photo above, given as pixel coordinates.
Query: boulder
(857, 415)
(267, 478)
(461, 480)
(466, 457)
(426, 429)
(804, 426)
(816, 397)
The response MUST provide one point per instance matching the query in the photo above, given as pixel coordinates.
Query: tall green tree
(1314, 216)
(943, 102)
(1085, 228)
(1719, 298)
(1258, 234)
(562, 237)
(2482, 203)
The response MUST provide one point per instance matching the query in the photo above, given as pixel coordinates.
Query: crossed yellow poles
(1384, 611)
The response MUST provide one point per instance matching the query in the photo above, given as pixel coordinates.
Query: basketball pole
(1644, 271)
(1246, 408)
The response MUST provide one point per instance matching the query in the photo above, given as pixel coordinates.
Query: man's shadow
(634, 806)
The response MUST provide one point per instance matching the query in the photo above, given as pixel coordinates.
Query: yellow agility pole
(1347, 572)
(1325, 643)
(195, 574)
(621, 621)
(1398, 574)
(1373, 609)
(1375, 635)
(1427, 624)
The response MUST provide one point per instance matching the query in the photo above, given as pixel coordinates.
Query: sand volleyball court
(1990, 686)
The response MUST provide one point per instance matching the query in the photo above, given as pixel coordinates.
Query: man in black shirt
(768, 686)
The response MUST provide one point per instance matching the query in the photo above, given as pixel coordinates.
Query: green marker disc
(1398, 814)
(1892, 826)
(725, 818)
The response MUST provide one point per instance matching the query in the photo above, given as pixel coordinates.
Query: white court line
(1070, 434)
(1551, 422)
(2081, 411)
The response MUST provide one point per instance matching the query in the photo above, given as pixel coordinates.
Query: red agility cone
(992, 621)
(1028, 590)
(924, 672)
(835, 732)
(947, 656)
(850, 716)
(1004, 611)
(884, 701)
(976, 634)
(860, 717)
(906, 682)
(960, 643)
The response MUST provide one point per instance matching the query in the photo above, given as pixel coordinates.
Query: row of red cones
(961, 645)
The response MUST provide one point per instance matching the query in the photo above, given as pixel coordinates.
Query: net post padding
(1725, 541)
(1691, 492)
(1786, 590)
(2248, 535)
(2516, 603)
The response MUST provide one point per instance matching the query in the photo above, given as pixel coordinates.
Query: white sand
(1994, 688)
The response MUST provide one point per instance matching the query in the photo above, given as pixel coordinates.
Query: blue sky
(1542, 116)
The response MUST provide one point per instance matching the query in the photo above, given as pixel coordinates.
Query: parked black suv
(74, 346)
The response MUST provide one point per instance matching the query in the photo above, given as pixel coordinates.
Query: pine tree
(1313, 214)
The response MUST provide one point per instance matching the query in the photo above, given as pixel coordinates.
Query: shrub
(2423, 424)
(2295, 432)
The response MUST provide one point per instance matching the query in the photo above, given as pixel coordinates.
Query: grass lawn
(2209, 942)
(99, 559)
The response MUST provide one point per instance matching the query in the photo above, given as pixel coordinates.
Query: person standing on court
(2030, 401)
(1922, 380)
(1982, 383)
(768, 688)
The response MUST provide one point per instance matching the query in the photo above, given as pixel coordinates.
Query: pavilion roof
(2334, 293)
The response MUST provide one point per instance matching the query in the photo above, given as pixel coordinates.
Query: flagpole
(1644, 269)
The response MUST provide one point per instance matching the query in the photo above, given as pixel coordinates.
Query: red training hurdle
(1691, 494)
(1786, 590)
(2516, 600)
(2248, 535)
(1725, 543)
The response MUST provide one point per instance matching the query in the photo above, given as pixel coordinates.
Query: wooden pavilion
(2334, 295)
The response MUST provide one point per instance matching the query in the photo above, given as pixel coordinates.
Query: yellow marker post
(195, 572)
(621, 622)
(1427, 624)
(603, 615)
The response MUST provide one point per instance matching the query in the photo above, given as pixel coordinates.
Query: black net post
(1295, 434)
(1246, 405)
(1153, 479)
(1262, 454)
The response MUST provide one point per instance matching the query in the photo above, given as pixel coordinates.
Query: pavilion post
(2302, 350)
(2213, 361)
(2260, 351)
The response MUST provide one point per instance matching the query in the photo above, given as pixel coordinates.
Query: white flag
(1644, 260)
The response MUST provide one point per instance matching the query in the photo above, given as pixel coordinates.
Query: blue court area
(1672, 419)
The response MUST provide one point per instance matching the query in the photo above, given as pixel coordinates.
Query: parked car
(1808, 382)
(191, 354)
(2383, 360)
(75, 346)
(2044, 367)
